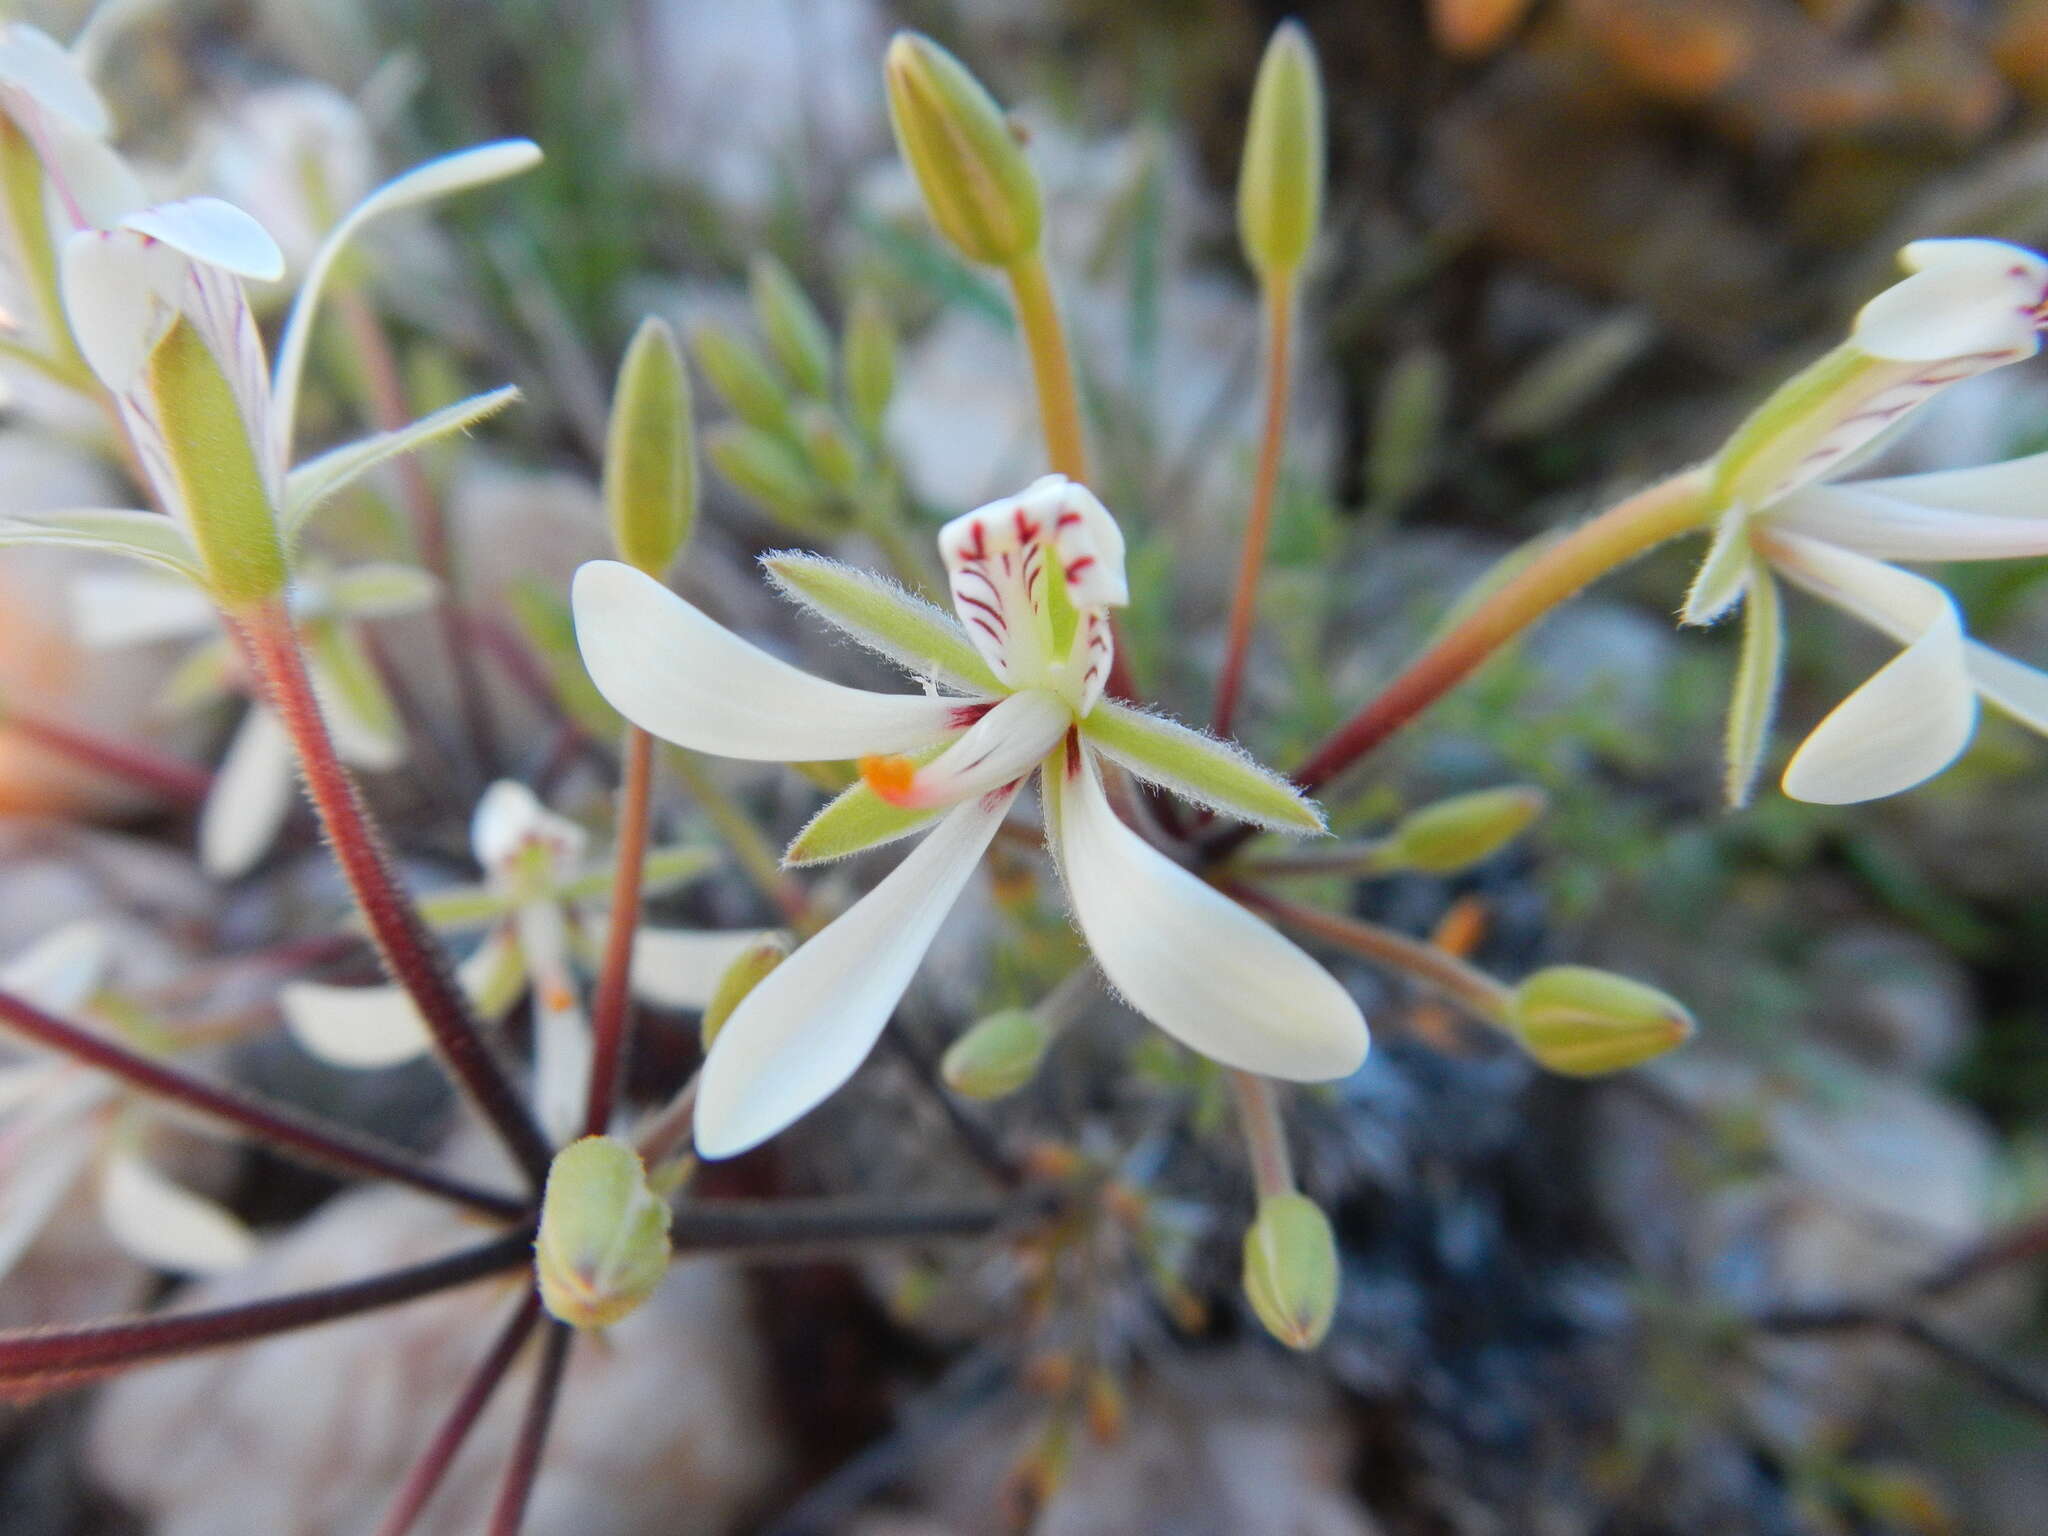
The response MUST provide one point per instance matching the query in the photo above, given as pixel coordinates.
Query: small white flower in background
(1034, 578)
(62, 1124)
(1969, 306)
(542, 911)
(295, 156)
(253, 793)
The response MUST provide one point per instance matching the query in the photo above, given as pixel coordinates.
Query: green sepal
(854, 821)
(884, 617)
(1755, 697)
(319, 480)
(1218, 774)
(146, 536)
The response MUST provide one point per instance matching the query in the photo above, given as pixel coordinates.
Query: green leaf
(462, 908)
(664, 870)
(856, 820)
(319, 480)
(381, 590)
(884, 617)
(1756, 685)
(146, 536)
(1218, 774)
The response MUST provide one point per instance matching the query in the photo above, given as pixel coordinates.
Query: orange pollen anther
(559, 999)
(889, 776)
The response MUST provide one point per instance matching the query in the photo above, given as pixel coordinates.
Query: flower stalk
(410, 953)
(611, 1012)
(169, 778)
(510, 1513)
(1052, 370)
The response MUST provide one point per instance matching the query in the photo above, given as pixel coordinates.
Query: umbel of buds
(1290, 1269)
(603, 1242)
(977, 183)
(1584, 1022)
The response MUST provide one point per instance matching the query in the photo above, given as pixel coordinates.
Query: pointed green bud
(1290, 1270)
(835, 457)
(1454, 834)
(978, 186)
(768, 472)
(650, 453)
(603, 1242)
(1584, 1022)
(220, 480)
(742, 378)
(1407, 427)
(1280, 182)
(997, 1056)
(870, 363)
(796, 333)
(746, 972)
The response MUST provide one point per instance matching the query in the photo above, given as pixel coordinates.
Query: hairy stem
(410, 953)
(325, 1145)
(179, 782)
(1467, 986)
(524, 1467)
(43, 1358)
(1052, 372)
(612, 1009)
(1279, 321)
(425, 1477)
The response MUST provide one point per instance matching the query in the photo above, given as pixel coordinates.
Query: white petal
(215, 232)
(802, 1032)
(38, 1168)
(2018, 689)
(367, 1027)
(1965, 298)
(116, 296)
(60, 971)
(1912, 718)
(1001, 747)
(110, 609)
(1723, 573)
(1211, 974)
(1896, 525)
(562, 1047)
(42, 69)
(250, 798)
(166, 1225)
(675, 672)
(509, 817)
(679, 968)
(440, 177)
(98, 182)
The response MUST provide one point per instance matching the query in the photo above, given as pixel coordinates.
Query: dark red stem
(425, 1477)
(174, 780)
(524, 1466)
(412, 957)
(315, 1141)
(611, 1012)
(40, 1359)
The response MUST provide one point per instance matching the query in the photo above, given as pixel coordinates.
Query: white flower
(1970, 305)
(61, 1123)
(1033, 579)
(541, 911)
(255, 788)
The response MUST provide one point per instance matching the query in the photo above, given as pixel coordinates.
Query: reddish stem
(410, 953)
(1251, 560)
(425, 1477)
(39, 1359)
(611, 1012)
(315, 1141)
(524, 1466)
(180, 782)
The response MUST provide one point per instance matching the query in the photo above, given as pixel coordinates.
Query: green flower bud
(650, 456)
(1407, 427)
(1280, 182)
(603, 1243)
(1454, 834)
(870, 363)
(834, 455)
(978, 186)
(1584, 1022)
(1290, 1270)
(795, 331)
(742, 378)
(745, 973)
(220, 480)
(768, 472)
(997, 1056)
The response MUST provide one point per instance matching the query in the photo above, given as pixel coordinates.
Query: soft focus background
(1569, 242)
